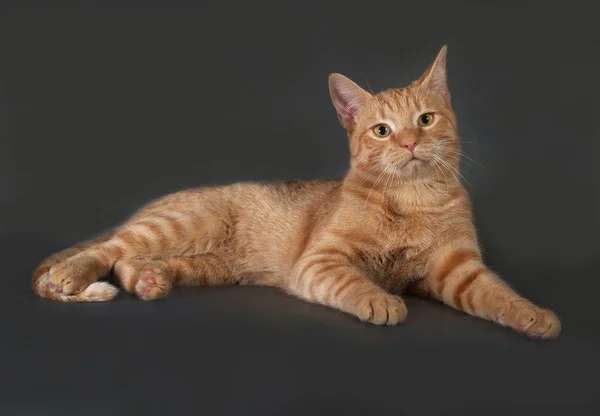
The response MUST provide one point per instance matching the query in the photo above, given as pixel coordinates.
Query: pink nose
(409, 144)
(407, 139)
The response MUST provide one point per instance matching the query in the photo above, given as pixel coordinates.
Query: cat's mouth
(411, 166)
(413, 160)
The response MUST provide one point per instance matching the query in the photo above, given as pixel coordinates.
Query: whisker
(436, 165)
(370, 172)
(373, 187)
(447, 166)
(441, 167)
(454, 170)
(372, 92)
(389, 176)
(463, 154)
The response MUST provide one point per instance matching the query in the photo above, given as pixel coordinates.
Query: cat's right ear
(348, 99)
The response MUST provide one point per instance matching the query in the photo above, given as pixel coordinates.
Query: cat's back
(297, 191)
(281, 204)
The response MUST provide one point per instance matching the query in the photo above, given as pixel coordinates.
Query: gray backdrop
(106, 105)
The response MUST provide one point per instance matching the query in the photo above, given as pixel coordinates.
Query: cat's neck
(406, 195)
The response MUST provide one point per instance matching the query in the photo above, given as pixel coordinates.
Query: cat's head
(410, 132)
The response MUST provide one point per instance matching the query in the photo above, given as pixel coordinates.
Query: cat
(399, 221)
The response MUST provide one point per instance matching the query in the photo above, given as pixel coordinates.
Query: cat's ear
(434, 77)
(348, 99)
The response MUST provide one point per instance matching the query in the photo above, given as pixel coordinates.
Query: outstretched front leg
(458, 277)
(327, 276)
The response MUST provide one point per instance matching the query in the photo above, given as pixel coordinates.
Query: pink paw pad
(151, 283)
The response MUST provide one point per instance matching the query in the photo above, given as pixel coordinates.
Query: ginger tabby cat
(399, 221)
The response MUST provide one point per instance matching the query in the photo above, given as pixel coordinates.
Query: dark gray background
(104, 106)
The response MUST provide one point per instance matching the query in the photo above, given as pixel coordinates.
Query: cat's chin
(411, 169)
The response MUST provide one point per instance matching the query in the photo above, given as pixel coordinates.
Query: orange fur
(399, 220)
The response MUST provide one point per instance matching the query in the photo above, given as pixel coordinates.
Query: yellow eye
(381, 130)
(425, 119)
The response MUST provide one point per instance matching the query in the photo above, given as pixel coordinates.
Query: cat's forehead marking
(398, 102)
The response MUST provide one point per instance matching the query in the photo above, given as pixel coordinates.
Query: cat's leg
(47, 288)
(60, 256)
(327, 276)
(152, 279)
(458, 278)
(148, 279)
(186, 228)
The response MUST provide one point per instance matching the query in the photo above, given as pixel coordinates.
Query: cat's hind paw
(152, 284)
(62, 290)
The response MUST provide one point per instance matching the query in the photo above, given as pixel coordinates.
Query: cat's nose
(407, 139)
(410, 145)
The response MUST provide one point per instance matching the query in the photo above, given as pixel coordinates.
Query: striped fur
(399, 220)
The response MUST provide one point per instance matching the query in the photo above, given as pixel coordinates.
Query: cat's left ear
(434, 78)
(348, 99)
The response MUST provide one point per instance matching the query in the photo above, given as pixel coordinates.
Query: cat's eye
(381, 130)
(425, 119)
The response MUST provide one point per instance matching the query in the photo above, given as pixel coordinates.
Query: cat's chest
(411, 234)
(403, 248)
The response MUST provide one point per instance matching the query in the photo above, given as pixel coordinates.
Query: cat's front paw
(544, 325)
(532, 321)
(381, 309)
(152, 283)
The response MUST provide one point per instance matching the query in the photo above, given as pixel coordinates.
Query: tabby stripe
(345, 285)
(319, 277)
(104, 256)
(320, 257)
(361, 240)
(359, 193)
(452, 262)
(360, 142)
(469, 306)
(451, 206)
(117, 251)
(176, 227)
(141, 234)
(128, 239)
(307, 229)
(332, 251)
(464, 285)
(324, 295)
(158, 237)
(108, 252)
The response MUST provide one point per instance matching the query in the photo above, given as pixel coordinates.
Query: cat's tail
(96, 292)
